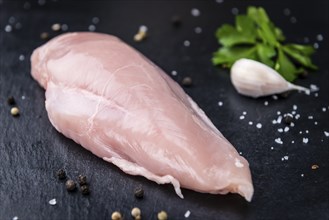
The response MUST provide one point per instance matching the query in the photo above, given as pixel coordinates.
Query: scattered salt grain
(294, 107)
(143, 28)
(326, 133)
(293, 20)
(278, 113)
(292, 141)
(310, 117)
(286, 129)
(293, 112)
(220, 103)
(286, 157)
(52, 202)
(187, 43)
(266, 103)
(292, 124)
(302, 175)
(235, 11)
(297, 116)
(280, 130)
(272, 148)
(324, 109)
(275, 97)
(95, 20)
(316, 123)
(316, 46)
(314, 88)
(279, 119)
(187, 214)
(21, 57)
(174, 73)
(240, 153)
(15, 218)
(8, 28)
(259, 125)
(274, 122)
(250, 123)
(238, 163)
(305, 140)
(279, 141)
(316, 94)
(319, 37)
(18, 25)
(23, 97)
(244, 113)
(300, 132)
(306, 131)
(242, 117)
(92, 28)
(198, 30)
(64, 27)
(195, 12)
(286, 11)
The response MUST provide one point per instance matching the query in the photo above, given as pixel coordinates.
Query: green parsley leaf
(254, 36)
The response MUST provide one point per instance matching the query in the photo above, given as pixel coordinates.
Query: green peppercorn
(85, 189)
(82, 180)
(70, 185)
(61, 174)
(139, 193)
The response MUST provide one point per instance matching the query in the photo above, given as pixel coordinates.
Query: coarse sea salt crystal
(195, 12)
(52, 202)
(279, 119)
(286, 157)
(274, 122)
(92, 28)
(305, 140)
(250, 123)
(272, 148)
(297, 116)
(310, 117)
(242, 117)
(259, 125)
(279, 141)
(306, 131)
(187, 214)
(280, 130)
(314, 88)
(21, 57)
(235, 11)
(220, 103)
(319, 37)
(244, 113)
(294, 107)
(292, 124)
(286, 129)
(326, 133)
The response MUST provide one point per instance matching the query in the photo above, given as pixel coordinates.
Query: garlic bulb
(255, 79)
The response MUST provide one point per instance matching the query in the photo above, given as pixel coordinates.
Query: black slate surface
(31, 150)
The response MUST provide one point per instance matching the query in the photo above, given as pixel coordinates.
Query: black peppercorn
(139, 192)
(61, 174)
(288, 118)
(11, 100)
(85, 189)
(303, 74)
(176, 21)
(70, 185)
(82, 180)
(187, 81)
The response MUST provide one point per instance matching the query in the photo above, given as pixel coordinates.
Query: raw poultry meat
(117, 104)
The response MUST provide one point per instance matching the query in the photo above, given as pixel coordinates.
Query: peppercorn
(11, 100)
(70, 185)
(187, 81)
(82, 180)
(116, 215)
(288, 118)
(303, 74)
(139, 193)
(61, 174)
(136, 213)
(14, 111)
(176, 21)
(162, 215)
(85, 189)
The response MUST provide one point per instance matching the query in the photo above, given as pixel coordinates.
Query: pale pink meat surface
(117, 104)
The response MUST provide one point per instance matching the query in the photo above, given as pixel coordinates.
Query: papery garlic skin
(255, 79)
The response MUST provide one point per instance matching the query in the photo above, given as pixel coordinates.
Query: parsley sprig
(254, 36)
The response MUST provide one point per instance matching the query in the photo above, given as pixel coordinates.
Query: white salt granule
(187, 43)
(326, 133)
(278, 113)
(187, 214)
(286, 129)
(244, 113)
(259, 125)
(52, 202)
(220, 103)
(294, 107)
(242, 117)
(280, 130)
(279, 141)
(310, 117)
(250, 123)
(174, 73)
(305, 140)
(266, 103)
(195, 12)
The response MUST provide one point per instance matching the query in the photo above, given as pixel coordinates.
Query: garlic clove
(255, 79)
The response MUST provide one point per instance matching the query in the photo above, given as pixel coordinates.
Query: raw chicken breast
(117, 104)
